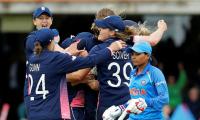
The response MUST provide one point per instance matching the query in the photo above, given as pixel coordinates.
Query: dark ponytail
(154, 61)
(37, 48)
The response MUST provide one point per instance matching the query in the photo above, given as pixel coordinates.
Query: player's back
(44, 74)
(113, 77)
(44, 81)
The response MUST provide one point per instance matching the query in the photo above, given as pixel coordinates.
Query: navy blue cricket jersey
(43, 89)
(113, 76)
(87, 41)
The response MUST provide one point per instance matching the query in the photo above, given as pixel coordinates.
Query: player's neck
(140, 68)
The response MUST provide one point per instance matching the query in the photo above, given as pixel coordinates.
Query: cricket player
(42, 18)
(113, 74)
(82, 98)
(148, 88)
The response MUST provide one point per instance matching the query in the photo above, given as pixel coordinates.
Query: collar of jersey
(145, 70)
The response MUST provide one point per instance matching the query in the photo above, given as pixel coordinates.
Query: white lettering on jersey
(34, 67)
(121, 55)
(159, 83)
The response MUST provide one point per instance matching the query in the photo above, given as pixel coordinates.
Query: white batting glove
(142, 105)
(112, 113)
(136, 106)
(132, 107)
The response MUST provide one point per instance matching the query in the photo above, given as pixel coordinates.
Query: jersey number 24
(40, 83)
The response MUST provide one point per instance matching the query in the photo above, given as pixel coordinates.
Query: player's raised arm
(154, 37)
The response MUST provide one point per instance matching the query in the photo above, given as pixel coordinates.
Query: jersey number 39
(117, 73)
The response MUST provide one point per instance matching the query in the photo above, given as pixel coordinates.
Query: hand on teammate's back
(72, 49)
(117, 45)
(83, 53)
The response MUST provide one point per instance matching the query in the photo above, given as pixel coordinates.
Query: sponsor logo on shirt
(136, 91)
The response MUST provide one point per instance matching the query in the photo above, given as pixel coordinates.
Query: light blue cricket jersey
(150, 85)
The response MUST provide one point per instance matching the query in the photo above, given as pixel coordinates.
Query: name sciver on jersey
(34, 67)
(121, 55)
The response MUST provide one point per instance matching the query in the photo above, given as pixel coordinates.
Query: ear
(34, 22)
(148, 56)
(112, 33)
(51, 21)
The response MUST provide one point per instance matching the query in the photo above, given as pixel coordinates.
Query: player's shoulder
(31, 37)
(55, 58)
(29, 42)
(102, 45)
(54, 55)
(106, 43)
(155, 71)
(96, 48)
(59, 55)
(111, 40)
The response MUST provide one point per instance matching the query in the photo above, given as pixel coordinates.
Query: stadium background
(180, 43)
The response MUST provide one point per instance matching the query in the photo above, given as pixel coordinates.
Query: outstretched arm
(77, 76)
(154, 37)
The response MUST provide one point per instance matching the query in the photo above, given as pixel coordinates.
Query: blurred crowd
(184, 96)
